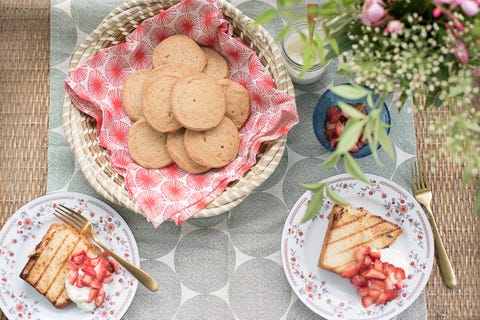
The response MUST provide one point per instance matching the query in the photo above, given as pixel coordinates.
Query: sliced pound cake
(47, 267)
(350, 228)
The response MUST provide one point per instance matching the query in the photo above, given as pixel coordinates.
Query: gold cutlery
(423, 193)
(85, 227)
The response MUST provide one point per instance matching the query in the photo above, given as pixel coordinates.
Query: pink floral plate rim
(326, 293)
(26, 227)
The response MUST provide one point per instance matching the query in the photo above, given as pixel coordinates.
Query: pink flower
(372, 12)
(460, 52)
(470, 7)
(437, 12)
(394, 26)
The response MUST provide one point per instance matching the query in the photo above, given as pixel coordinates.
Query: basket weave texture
(80, 129)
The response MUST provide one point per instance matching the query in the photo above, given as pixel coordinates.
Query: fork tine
(67, 219)
(426, 184)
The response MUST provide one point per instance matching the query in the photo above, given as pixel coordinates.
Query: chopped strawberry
(72, 276)
(358, 281)
(96, 284)
(378, 282)
(95, 261)
(374, 294)
(392, 294)
(108, 279)
(334, 142)
(79, 257)
(367, 301)
(79, 283)
(93, 294)
(101, 269)
(389, 285)
(350, 271)
(399, 274)
(339, 128)
(382, 298)
(374, 273)
(367, 261)
(72, 265)
(361, 252)
(86, 280)
(378, 265)
(375, 255)
(333, 113)
(114, 265)
(363, 291)
(354, 149)
(100, 297)
(89, 270)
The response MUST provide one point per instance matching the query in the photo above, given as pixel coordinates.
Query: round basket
(80, 129)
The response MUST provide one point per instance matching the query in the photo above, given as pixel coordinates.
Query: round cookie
(217, 66)
(156, 103)
(213, 148)
(176, 149)
(147, 146)
(169, 70)
(179, 49)
(238, 101)
(198, 102)
(132, 93)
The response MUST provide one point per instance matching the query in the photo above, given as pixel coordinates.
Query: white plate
(25, 229)
(325, 292)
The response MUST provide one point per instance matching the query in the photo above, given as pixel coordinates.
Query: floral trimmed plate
(26, 227)
(325, 292)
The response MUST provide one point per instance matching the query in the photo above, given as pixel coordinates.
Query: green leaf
(351, 111)
(334, 45)
(385, 142)
(335, 197)
(283, 32)
(349, 92)
(313, 186)
(328, 9)
(350, 135)
(266, 16)
(353, 168)
(314, 206)
(472, 126)
(286, 3)
(331, 160)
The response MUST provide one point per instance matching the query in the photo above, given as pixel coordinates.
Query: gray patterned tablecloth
(225, 267)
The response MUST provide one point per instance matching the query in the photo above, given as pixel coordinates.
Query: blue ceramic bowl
(320, 114)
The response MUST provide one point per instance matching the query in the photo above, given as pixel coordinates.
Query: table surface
(24, 107)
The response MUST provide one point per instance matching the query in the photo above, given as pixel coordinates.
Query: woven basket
(80, 129)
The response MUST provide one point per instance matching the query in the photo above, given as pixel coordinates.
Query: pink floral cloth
(95, 88)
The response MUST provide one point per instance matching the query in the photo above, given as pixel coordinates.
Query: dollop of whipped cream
(80, 296)
(395, 257)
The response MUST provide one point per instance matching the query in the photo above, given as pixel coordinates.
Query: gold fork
(423, 193)
(85, 227)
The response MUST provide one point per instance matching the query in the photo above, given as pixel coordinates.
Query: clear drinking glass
(292, 47)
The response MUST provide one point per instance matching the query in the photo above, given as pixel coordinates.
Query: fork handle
(448, 274)
(138, 273)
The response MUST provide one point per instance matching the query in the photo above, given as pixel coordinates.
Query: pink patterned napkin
(95, 88)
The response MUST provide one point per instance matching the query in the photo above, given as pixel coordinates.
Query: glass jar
(292, 48)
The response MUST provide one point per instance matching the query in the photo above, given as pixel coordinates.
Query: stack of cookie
(185, 110)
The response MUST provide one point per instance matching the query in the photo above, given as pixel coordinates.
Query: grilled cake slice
(349, 228)
(47, 267)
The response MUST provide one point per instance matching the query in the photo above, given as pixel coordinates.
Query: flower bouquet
(424, 50)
